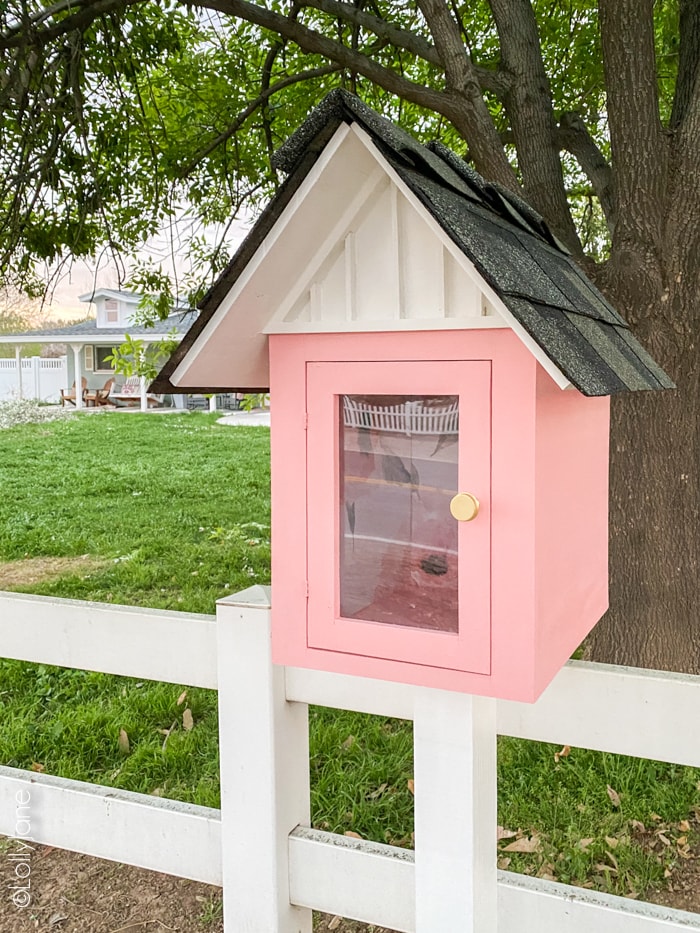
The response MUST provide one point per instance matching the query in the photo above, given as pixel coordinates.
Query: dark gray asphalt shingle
(181, 321)
(508, 242)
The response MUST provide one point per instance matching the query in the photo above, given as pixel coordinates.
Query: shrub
(28, 411)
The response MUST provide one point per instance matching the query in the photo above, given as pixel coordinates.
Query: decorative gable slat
(376, 270)
(463, 297)
(422, 266)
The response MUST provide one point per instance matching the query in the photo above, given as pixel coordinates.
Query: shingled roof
(510, 245)
(179, 321)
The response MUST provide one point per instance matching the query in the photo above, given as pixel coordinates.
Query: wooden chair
(68, 395)
(100, 396)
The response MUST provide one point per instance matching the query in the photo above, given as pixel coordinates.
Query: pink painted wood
(548, 513)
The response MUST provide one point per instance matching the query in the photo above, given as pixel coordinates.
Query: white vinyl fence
(403, 418)
(272, 867)
(42, 379)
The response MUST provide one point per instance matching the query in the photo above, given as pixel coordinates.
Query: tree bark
(654, 617)
(528, 101)
(653, 277)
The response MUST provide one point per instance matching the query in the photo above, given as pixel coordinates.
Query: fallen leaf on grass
(181, 699)
(187, 720)
(348, 742)
(614, 796)
(583, 844)
(352, 834)
(123, 742)
(411, 786)
(612, 841)
(503, 833)
(378, 792)
(525, 844)
(37, 766)
(564, 753)
(503, 863)
(335, 922)
(684, 826)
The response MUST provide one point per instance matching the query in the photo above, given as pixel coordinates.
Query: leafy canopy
(117, 116)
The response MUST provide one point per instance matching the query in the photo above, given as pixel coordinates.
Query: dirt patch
(682, 890)
(33, 570)
(73, 893)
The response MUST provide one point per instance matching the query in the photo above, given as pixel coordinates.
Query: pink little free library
(439, 370)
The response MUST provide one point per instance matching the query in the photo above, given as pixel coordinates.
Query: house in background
(90, 345)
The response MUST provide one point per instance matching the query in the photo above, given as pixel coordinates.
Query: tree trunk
(654, 616)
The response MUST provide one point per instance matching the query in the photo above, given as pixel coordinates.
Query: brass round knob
(464, 507)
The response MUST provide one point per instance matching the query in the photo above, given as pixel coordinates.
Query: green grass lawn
(173, 512)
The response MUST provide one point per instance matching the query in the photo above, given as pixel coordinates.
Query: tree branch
(639, 148)
(250, 109)
(472, 117)
(459, 112)
(32, 33)
(489, 79)
(688, 60)
(529, 107)
(573, 136)
(310, 41)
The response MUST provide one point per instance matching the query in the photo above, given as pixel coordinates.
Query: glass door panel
(398, 462)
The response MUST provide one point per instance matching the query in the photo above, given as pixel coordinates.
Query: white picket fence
(404, 418)
(42, 379)
(272, 867)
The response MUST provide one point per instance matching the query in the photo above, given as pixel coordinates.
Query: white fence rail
(41, 379)
(404, 418)
(273, 868)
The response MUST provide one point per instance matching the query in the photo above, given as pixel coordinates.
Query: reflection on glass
(398, 541)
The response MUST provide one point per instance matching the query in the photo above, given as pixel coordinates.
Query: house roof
(88, 331)
(127, 297)
(509, 244)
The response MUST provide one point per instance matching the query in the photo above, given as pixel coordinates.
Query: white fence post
(455, 813)
(36, 376)
(264, 748)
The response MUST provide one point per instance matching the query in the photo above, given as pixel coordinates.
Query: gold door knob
(464, 507)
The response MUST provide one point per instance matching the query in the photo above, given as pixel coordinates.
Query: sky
(169, 251)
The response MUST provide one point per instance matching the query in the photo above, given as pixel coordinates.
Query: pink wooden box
(372, 436)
